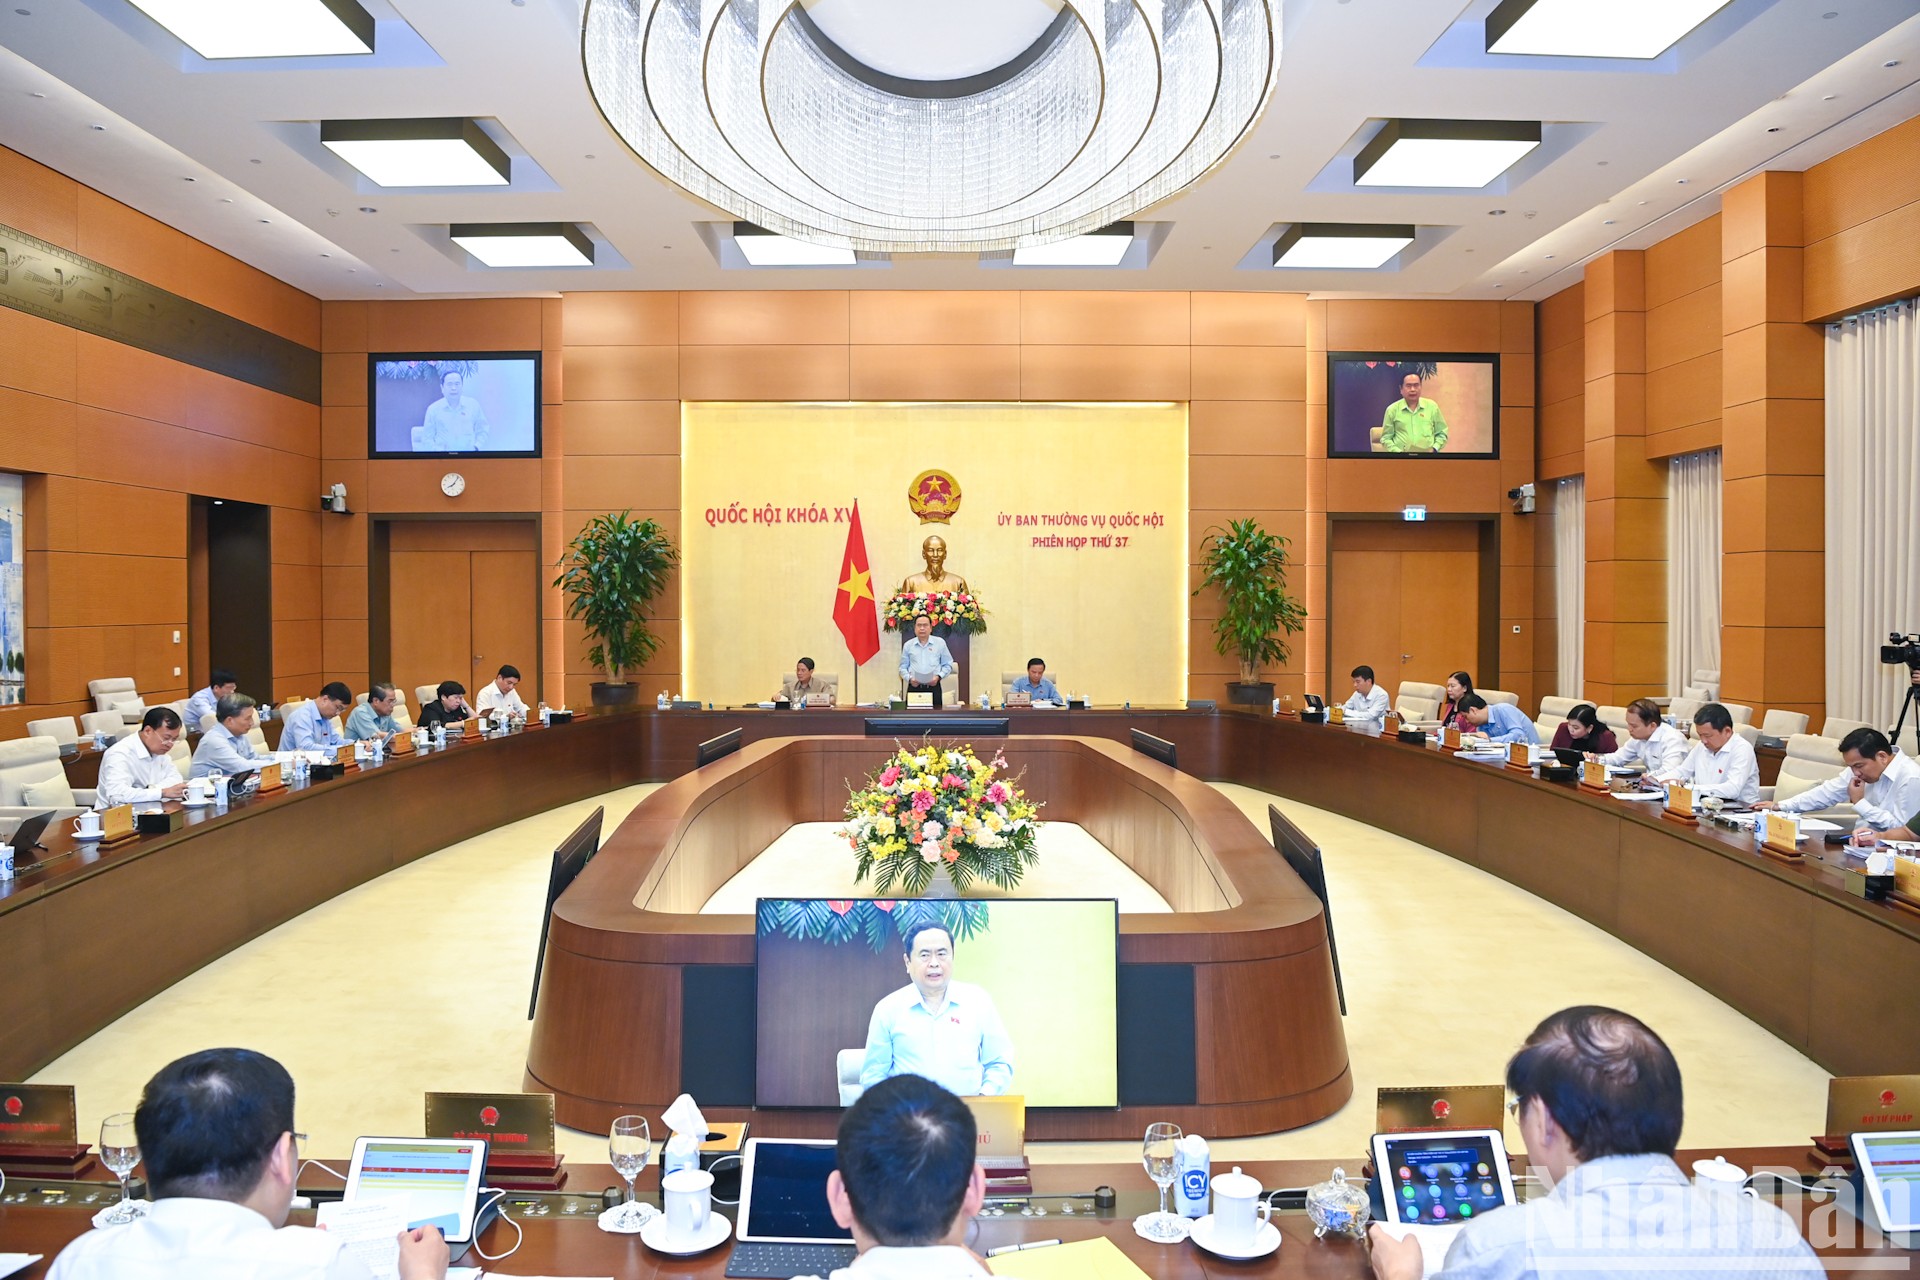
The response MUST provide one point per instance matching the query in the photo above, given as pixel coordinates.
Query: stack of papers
(1435, 1239)
(1095, 1259)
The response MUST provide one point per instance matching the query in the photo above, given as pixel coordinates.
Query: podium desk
(563, 1243)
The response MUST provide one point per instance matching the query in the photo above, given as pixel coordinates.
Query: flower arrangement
(948, 610)
(941, 807)
(879, 922)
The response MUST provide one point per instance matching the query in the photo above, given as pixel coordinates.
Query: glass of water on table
(628, 1146)
(1156, 1153)
(120, 1152)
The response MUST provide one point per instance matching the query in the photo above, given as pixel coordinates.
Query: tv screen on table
(1412, 405)
(446, 405)
(1025, 988)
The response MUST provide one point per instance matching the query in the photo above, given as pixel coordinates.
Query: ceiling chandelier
(756, 107)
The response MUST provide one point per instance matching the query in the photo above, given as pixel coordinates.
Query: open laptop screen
(783, 1195)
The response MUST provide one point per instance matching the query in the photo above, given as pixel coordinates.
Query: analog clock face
(453, 484)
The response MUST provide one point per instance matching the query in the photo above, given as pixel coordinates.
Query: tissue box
(1872, 888)
(159, 823)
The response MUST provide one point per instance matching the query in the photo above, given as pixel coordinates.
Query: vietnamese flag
(854, 610)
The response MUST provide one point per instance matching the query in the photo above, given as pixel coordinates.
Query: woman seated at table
(1583, 731)
(1459, 685)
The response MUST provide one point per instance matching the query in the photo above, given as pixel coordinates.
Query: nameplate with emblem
(270, 779)
(39, 1115)
(470, 727)
(919, 699)
(511, 1123)
(118, 824)
(1782, 836)
(1593, 776)
(1400, 1109)
(1450, 738)
(1520, 757)
(1680, 804)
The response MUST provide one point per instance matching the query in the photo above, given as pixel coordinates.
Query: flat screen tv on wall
(453, 404)
(1410, 404)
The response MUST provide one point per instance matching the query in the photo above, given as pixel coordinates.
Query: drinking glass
(120, 1151)
(1156, 1152)
(628, 1145)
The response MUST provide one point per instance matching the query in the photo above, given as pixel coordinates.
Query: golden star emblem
(858, 586)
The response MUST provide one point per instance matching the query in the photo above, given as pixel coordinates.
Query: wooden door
(504, 628)
(431, 607)
(1366, 618)
(1439, 614)
(1405, 601)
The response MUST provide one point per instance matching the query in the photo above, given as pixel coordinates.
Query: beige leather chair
(62, 729)
(1709, 681)
(207, 722)
(425, 693)
(1553, 714)
(1783, 724)
(1751, 732)
(1810, 761)
(1837, 728)
(1615, 718)
(106, 694)
(1741, 713)
(1008, 677)
(1682, 709)
(30, 763)
(110, 723)
(1418, 702)
(1499, 695)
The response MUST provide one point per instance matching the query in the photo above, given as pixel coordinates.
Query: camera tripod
(1909, 703)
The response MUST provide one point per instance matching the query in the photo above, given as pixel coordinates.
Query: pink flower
(951, 783)
(839, 906)
(891, 776)
(922, 801)
(883, 904)
(997, 793)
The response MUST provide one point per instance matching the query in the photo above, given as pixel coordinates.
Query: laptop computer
(785, 1227)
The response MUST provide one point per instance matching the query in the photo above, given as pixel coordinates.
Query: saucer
(1266, 1239)
(649, 1213)
(655, 1236)
(195, 804)
(1183, 1226)
(89, 838)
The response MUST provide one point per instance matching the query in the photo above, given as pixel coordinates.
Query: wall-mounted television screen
(1412, 405)
(450, 404)
(962, 991)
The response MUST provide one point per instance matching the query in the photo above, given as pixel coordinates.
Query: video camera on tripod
(1901, 649)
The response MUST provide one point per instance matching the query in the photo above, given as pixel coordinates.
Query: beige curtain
(1693, 567)
(1570, 582)
(1873, 477)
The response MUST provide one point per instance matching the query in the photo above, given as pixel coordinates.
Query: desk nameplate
(512, 1124)
(1783, 837)
(1680, 806)
(1405, 1108)
(117, 825)
(1593, 777)
(39, 1115)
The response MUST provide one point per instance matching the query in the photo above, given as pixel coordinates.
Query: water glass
(120, 1152)
(629, 1145)
(1156, 1153)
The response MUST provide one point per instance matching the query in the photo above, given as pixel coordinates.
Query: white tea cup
(87, 824)
(688, 1196)
(1717, 1172)
(197, 788)
(1238, 1211)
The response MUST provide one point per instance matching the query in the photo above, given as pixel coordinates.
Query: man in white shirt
(216, 1136)
(309, 726)
(1722, 763)
(137, 769)
(1369, 700)
(1652, 743)
(497, 697)
(1883, 788)
(220, 683)
(907, 1184)
(935, 1027)
(1598, 1099)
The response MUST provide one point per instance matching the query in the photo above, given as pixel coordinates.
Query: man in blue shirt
(1036, 684)
(374, 717)
(935, 1027)
(924, 660)
(225, 748)
(1500, 721)
(309, 726)
(220, 683)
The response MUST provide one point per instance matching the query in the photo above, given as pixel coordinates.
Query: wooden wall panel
(763, 317)
(481, 324)
(887, 372)
(1104, 319)
(933, 318)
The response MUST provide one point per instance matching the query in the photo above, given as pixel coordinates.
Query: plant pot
(941, 886)
(1257, 694)
(624, 694)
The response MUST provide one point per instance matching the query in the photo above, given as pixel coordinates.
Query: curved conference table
(95, 933)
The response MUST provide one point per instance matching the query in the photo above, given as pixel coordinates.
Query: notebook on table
(785, 1227)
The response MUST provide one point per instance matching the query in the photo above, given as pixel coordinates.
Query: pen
(1016, 1248)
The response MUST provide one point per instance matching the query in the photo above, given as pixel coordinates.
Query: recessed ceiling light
(525, 244)
(189, 179)
(266, 222)
(763, 248)
(265, 28)
(449, 152)
(98, 128)
(1443, 153)
(226, 199)
(36, 94)
(1354, 246)
(1496, 213)
(1582, 29)
(1102, 248)
(1606, 222)
(1891, 62)
(367, 208)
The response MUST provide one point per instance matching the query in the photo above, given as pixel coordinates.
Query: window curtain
(1693, 567)
(1873, 477)
(1570, 582)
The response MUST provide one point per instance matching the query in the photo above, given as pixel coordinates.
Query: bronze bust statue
(936, 577)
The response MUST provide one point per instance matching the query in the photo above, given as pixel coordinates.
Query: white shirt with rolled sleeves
(1371, 705)
(491, 700)
(963, 1048)
(182, 1238)
(1661, 753)
(130, 774)
(1890, 800)
(1732, 772)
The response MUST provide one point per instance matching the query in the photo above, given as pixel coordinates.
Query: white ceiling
(1631, 153)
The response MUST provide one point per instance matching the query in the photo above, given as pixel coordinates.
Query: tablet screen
(1890, 1165)
(438, 1179)
(786, 1194)
(1444, 1177)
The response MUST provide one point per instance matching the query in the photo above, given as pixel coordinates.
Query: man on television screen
(935, 1027)
(455, 423)
(1413, 424)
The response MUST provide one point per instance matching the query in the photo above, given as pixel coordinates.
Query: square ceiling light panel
(1586, 29)
(525, 244)
(265, 28)
(448, 152)
(764, 248)
(1443, 153)
(1352, 246)
(1102, 248)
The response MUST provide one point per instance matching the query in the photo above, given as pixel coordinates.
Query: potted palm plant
(1248, 566)
(611, 572)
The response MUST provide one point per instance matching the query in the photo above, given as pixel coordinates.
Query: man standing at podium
(924, 660)
(948, 1031)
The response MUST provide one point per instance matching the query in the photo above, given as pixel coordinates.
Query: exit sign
(1413, 513)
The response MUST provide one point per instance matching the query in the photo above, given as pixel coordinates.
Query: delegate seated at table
(1652, 743)
(220, 683)
(225, 750)
(309, 726)
(449, 707)
(1722, 763)
(1882, 787)
(1369, 700)
(924, 660)
(138, 769)
(1584, 730)
(373, 719)
(1501, 722)
(497, 696)
(801, 685)
(1036, 684)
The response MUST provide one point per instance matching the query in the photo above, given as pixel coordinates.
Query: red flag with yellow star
(855, 611)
